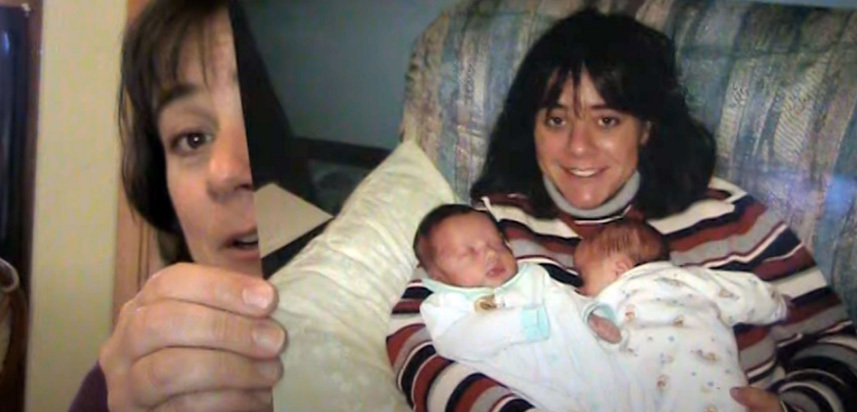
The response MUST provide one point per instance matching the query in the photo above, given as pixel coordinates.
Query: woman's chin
(586, 202)
(242, 259)
(584, 194)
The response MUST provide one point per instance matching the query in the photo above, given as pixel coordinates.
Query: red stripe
(472, 394)
(751, 337)
(811, 309)
(424, 379)
(719, 232)
(796, 314)
(776, 268)
(717, 194)
(634, 214)
(407, 306)
(745, 256)
(396, 341)
(583, 230)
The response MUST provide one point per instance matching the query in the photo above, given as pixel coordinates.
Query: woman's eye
(190, 142)
(554, 121)
(608, 122)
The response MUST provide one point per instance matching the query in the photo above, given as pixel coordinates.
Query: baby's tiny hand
(604, 328)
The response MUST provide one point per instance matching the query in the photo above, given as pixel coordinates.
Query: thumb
(755, 399)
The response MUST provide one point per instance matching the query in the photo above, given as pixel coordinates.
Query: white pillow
(337, 294)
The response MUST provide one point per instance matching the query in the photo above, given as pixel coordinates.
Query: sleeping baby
(515, 323)
(676, 322)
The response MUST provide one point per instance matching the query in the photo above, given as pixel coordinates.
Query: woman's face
(208, 167)
(585, 148)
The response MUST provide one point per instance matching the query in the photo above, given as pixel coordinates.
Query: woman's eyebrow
(177, 92)
(601, 106)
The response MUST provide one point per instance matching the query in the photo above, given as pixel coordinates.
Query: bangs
(556, 83)
(168, 62)
(607, 82)
(154, 61)
(616, 61)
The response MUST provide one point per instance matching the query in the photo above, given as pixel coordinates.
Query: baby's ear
(621, 265)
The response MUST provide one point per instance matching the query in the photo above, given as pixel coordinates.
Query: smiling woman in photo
(595, 128)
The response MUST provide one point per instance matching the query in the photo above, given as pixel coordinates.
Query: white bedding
(337, 294)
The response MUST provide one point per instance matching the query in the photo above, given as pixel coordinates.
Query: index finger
(213, 287)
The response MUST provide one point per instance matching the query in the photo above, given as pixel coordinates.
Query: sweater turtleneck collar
(618, 204)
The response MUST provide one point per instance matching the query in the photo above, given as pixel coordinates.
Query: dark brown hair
(633, 68)
(434, 218)
(151, 56)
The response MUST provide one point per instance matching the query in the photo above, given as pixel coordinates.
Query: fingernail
(270, 370)
(259, 297)
(734, 392)
(269, 337)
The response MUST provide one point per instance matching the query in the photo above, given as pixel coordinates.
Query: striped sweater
(810, 359)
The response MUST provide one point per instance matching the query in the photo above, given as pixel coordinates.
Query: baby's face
(468, 251)
(599, 271)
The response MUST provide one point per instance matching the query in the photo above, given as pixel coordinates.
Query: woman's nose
(229, 164)
(579, 139)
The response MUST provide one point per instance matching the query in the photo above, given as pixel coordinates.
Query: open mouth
(578, 172)
(250, 241)
(495, 271)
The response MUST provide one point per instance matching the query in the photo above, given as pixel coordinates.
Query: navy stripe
(817, 399)
(843, 391)
(561, 275)
(543, 237)
(813, 296)
(835, 367)
(741, 205)
(410, 370)
(516, 405)
(461, 389)
(416, 293)
(784, 244)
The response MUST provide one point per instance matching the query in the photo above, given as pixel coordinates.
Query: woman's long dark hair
(633, 68)
(151, 55)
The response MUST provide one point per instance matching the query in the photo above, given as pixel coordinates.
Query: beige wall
(76, 194)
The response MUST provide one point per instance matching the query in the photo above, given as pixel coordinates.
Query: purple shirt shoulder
(92, 395)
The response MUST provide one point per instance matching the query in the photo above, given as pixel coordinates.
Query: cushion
(336, 296)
